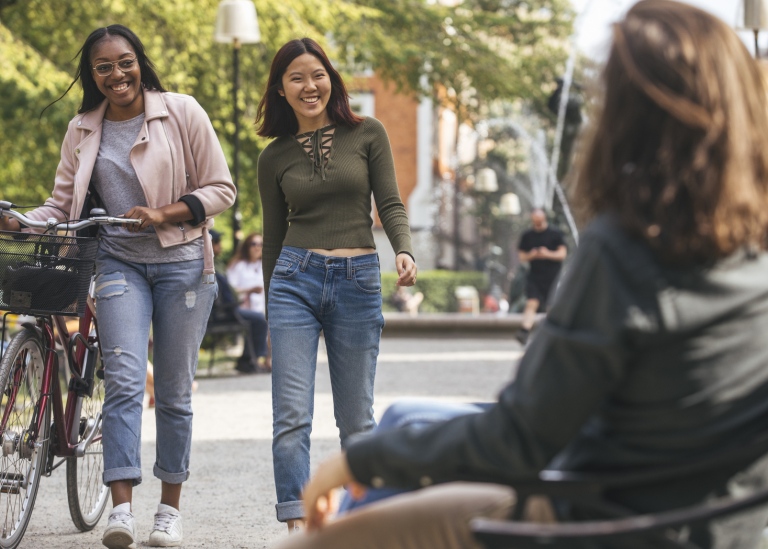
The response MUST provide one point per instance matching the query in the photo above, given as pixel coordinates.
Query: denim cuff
(289, 510)
(170, 478)
(122, 473)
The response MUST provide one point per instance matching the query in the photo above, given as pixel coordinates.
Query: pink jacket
(176, 153)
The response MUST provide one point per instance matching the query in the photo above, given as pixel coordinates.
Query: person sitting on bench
(653, 352)
(229, 307)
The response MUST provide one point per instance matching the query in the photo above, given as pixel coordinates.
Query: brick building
(410, 124)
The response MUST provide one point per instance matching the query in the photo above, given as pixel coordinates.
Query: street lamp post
(236, 24)
(755, 18)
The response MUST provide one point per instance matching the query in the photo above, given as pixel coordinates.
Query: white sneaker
(120, 533)
(167, 529)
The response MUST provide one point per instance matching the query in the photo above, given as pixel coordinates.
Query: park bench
(660, 530)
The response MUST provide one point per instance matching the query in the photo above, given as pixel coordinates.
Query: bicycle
(49, 277)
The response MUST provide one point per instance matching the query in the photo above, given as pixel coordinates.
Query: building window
(362, 103)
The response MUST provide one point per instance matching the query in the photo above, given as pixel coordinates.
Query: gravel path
(229, 499)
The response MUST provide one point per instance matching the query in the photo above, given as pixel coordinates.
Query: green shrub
(438, 287)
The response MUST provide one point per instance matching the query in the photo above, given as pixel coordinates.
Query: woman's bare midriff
(343, 252)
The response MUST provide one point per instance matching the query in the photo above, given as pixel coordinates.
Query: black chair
(659, 530)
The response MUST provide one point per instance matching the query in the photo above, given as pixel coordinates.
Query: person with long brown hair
(321, 269)
(653, 353)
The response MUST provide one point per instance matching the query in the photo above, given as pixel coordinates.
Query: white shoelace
(164, 521)
(125, 518)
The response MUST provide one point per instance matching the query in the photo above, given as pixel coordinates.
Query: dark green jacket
(636, 364)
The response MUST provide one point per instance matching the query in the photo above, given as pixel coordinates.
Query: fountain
(541, 174)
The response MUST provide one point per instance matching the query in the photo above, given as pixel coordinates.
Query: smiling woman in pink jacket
(147, 154)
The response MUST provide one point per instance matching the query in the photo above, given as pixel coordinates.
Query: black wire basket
(45, 274)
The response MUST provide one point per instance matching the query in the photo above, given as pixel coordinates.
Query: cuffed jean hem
(122, 473)
(170, 478)
(290, 510)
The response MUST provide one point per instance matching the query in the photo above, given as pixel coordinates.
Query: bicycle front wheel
(86, 493)
(24, 451)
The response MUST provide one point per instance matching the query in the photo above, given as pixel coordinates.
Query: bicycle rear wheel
(23, 455)
(86, 493)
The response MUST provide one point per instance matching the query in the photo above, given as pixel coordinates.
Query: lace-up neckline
(317, 144)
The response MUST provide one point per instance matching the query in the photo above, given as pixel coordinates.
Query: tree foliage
(472, 52)
(477, 50)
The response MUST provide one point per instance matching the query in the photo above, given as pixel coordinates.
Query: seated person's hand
(318, 496)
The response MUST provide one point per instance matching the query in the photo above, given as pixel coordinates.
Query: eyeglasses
(257, 244)
(105, 69)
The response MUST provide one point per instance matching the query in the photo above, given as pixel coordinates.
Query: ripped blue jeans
(131, 297)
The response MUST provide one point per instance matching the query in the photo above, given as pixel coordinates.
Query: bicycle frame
(82, 370)
(66, 421)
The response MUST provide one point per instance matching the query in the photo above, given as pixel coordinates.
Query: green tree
(476, 50)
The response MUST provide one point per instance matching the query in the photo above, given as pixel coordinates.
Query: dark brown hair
(275, 117)
(679, 149)
(243, 251)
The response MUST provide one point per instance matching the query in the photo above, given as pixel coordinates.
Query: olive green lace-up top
(316, 191)
(317, 144)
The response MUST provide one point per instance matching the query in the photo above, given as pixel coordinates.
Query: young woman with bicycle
(150, 155)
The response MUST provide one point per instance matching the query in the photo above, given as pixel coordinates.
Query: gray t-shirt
(119, 188)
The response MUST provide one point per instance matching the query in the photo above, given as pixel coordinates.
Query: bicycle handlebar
(97, 218)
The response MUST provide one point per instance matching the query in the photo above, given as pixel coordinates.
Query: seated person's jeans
(256, 345)
(414, 414)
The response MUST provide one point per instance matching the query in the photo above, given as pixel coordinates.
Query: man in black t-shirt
(544, 249)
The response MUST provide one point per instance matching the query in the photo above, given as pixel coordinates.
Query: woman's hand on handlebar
(8, 224)
(150, 217)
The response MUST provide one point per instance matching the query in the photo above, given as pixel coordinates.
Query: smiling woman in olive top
(321, 270)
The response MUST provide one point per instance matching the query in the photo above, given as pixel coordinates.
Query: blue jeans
(173, 300)
(414, 414)
(341, 296)
(256, 342)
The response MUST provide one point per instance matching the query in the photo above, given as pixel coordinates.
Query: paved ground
(229, 499)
